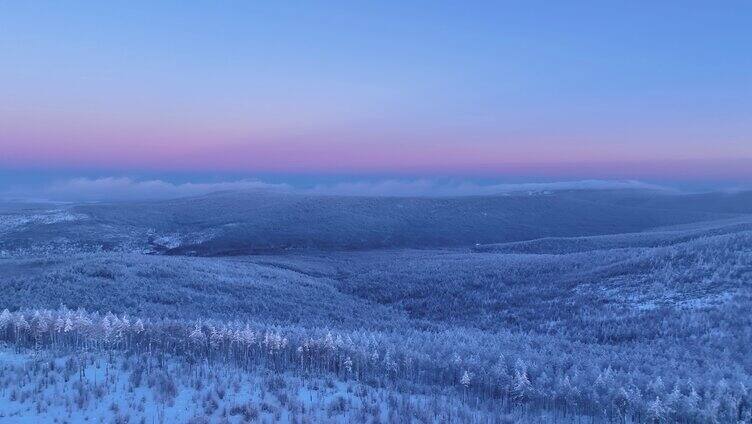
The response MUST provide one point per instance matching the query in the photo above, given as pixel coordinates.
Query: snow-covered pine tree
(657, 410)
(522, 387)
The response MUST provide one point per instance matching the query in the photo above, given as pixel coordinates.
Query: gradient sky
(557, 88)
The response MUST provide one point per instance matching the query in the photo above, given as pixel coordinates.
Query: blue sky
(513, 89)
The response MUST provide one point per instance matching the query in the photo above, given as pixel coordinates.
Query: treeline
(506, 369)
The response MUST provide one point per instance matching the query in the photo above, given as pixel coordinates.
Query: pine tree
(466, 379)
(197, 336)
(673, 400)
(657, 410)
(68, 325)
(138, 327)
(59, 324)
(348, 365)
(692, 400)
(522, 387)
(6, 319)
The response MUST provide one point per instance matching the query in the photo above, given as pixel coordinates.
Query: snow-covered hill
(643, 326)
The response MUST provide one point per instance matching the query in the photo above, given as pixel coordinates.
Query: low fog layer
(125, 188)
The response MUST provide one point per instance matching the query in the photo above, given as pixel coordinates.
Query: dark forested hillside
(234, 223)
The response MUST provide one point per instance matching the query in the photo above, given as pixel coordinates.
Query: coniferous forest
(619, 306)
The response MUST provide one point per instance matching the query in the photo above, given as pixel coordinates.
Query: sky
(390, 89)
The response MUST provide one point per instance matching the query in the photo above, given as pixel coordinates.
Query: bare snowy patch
(14, 221)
